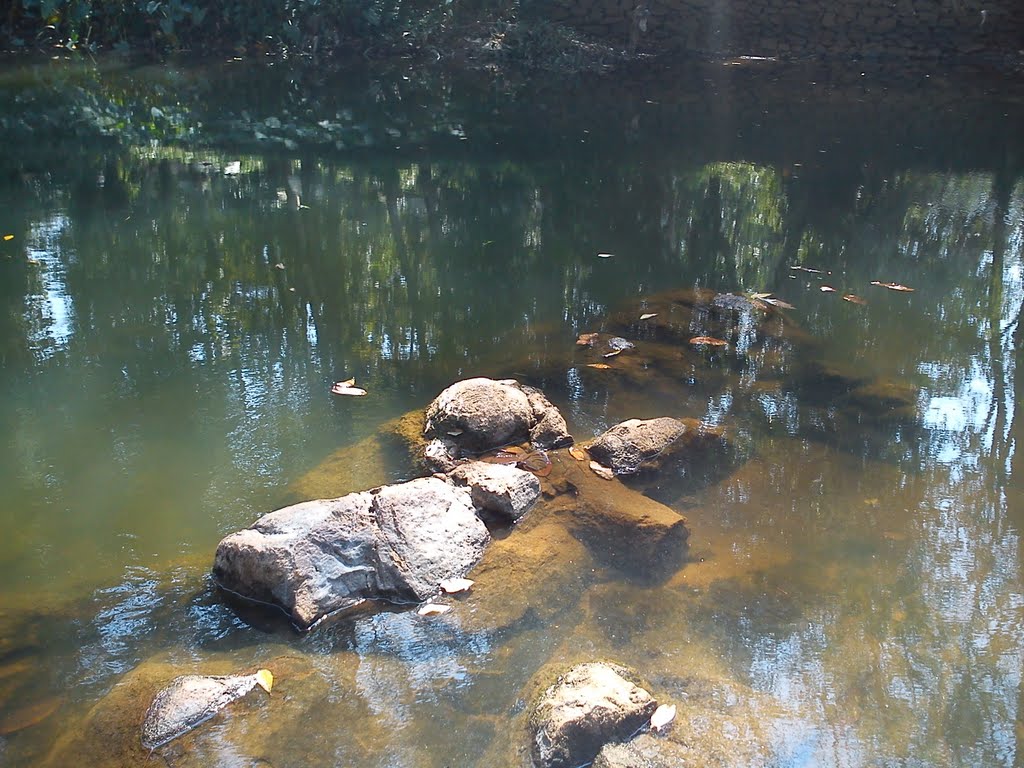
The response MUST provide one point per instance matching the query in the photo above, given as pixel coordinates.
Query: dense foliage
(281, 25)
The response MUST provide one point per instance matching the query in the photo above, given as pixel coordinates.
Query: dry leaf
(578, 453)
(346, 383)
(853, 299)
(602, 471)
(827, 289)
(279, 266)
(8, 237)
(893, 286)
(648, 316)
(265, 679)
(454, 432)
(586, 339)
(708, 341)
(536, 462)
(808, 269)
(599, 366)
(452, 586)
(344, 388)
(432, 609)
(777, 302)
(662, 716)
(613, 353)
(604, 255)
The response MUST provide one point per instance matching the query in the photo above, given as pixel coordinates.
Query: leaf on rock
(827, 289)
(854, 299)
(265, 679)
(648, 315)
(453, 586)
(708, 341)
(432, 609)
(586, 339)
(893, 286)
(599, 366)
(578, 453)
(662, 716)
(602, 471)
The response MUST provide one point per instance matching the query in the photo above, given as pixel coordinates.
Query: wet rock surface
(477, 415)
(590, 705)
(636, 444)
(504, 491)
(396, 543)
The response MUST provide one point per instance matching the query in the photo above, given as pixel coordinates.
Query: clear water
(169, 333)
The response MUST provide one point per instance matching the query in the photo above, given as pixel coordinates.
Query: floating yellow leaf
(708, 341)
(827, 289)
(586, 339)
(602, 471)
(648, 316)
(662, 716)
(578, 453)
(265, 679)
(853, 299)
(599, 366)
(453, 586)
(893, 286)
(433, 609)
(8, 237)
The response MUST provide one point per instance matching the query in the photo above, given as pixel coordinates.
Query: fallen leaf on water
(501, 457)
(432, 609)
(809, 269)
(708, 341)
(279, 266)
(777, 302)
(613, 353)
(265, 679)
(648, 316)
(26, 717)
(586, 339)
(602, 471)
(662, 716)
(604, 255)
(893, 286)
(599, 366)
(854, 299)
(578, 453)
(347, 388)
(827, 289)
(8, 237)
(453, 586)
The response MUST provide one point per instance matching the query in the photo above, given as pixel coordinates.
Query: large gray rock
(477, 415)
(590, 705)
(503, 490)
(394, 543)
(636, 444)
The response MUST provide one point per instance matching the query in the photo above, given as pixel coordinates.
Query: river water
(197, 253)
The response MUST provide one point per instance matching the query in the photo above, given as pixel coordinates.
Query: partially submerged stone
(191, 700)
(315, 558)
(590, 705)
(637, 444)
(501, 490)
(477, 415)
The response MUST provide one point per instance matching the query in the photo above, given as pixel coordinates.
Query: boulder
(477, 415)
(394, 543)
(637, 444)
(502, 490)
(587, 707)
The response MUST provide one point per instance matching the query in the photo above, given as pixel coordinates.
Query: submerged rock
(394, 543)
(590, 705)
(477, 415)
(192, 700)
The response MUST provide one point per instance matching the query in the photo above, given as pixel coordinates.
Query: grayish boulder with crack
(393, 543)
(504, 491)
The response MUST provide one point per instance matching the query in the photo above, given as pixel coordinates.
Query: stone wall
(794, 28)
